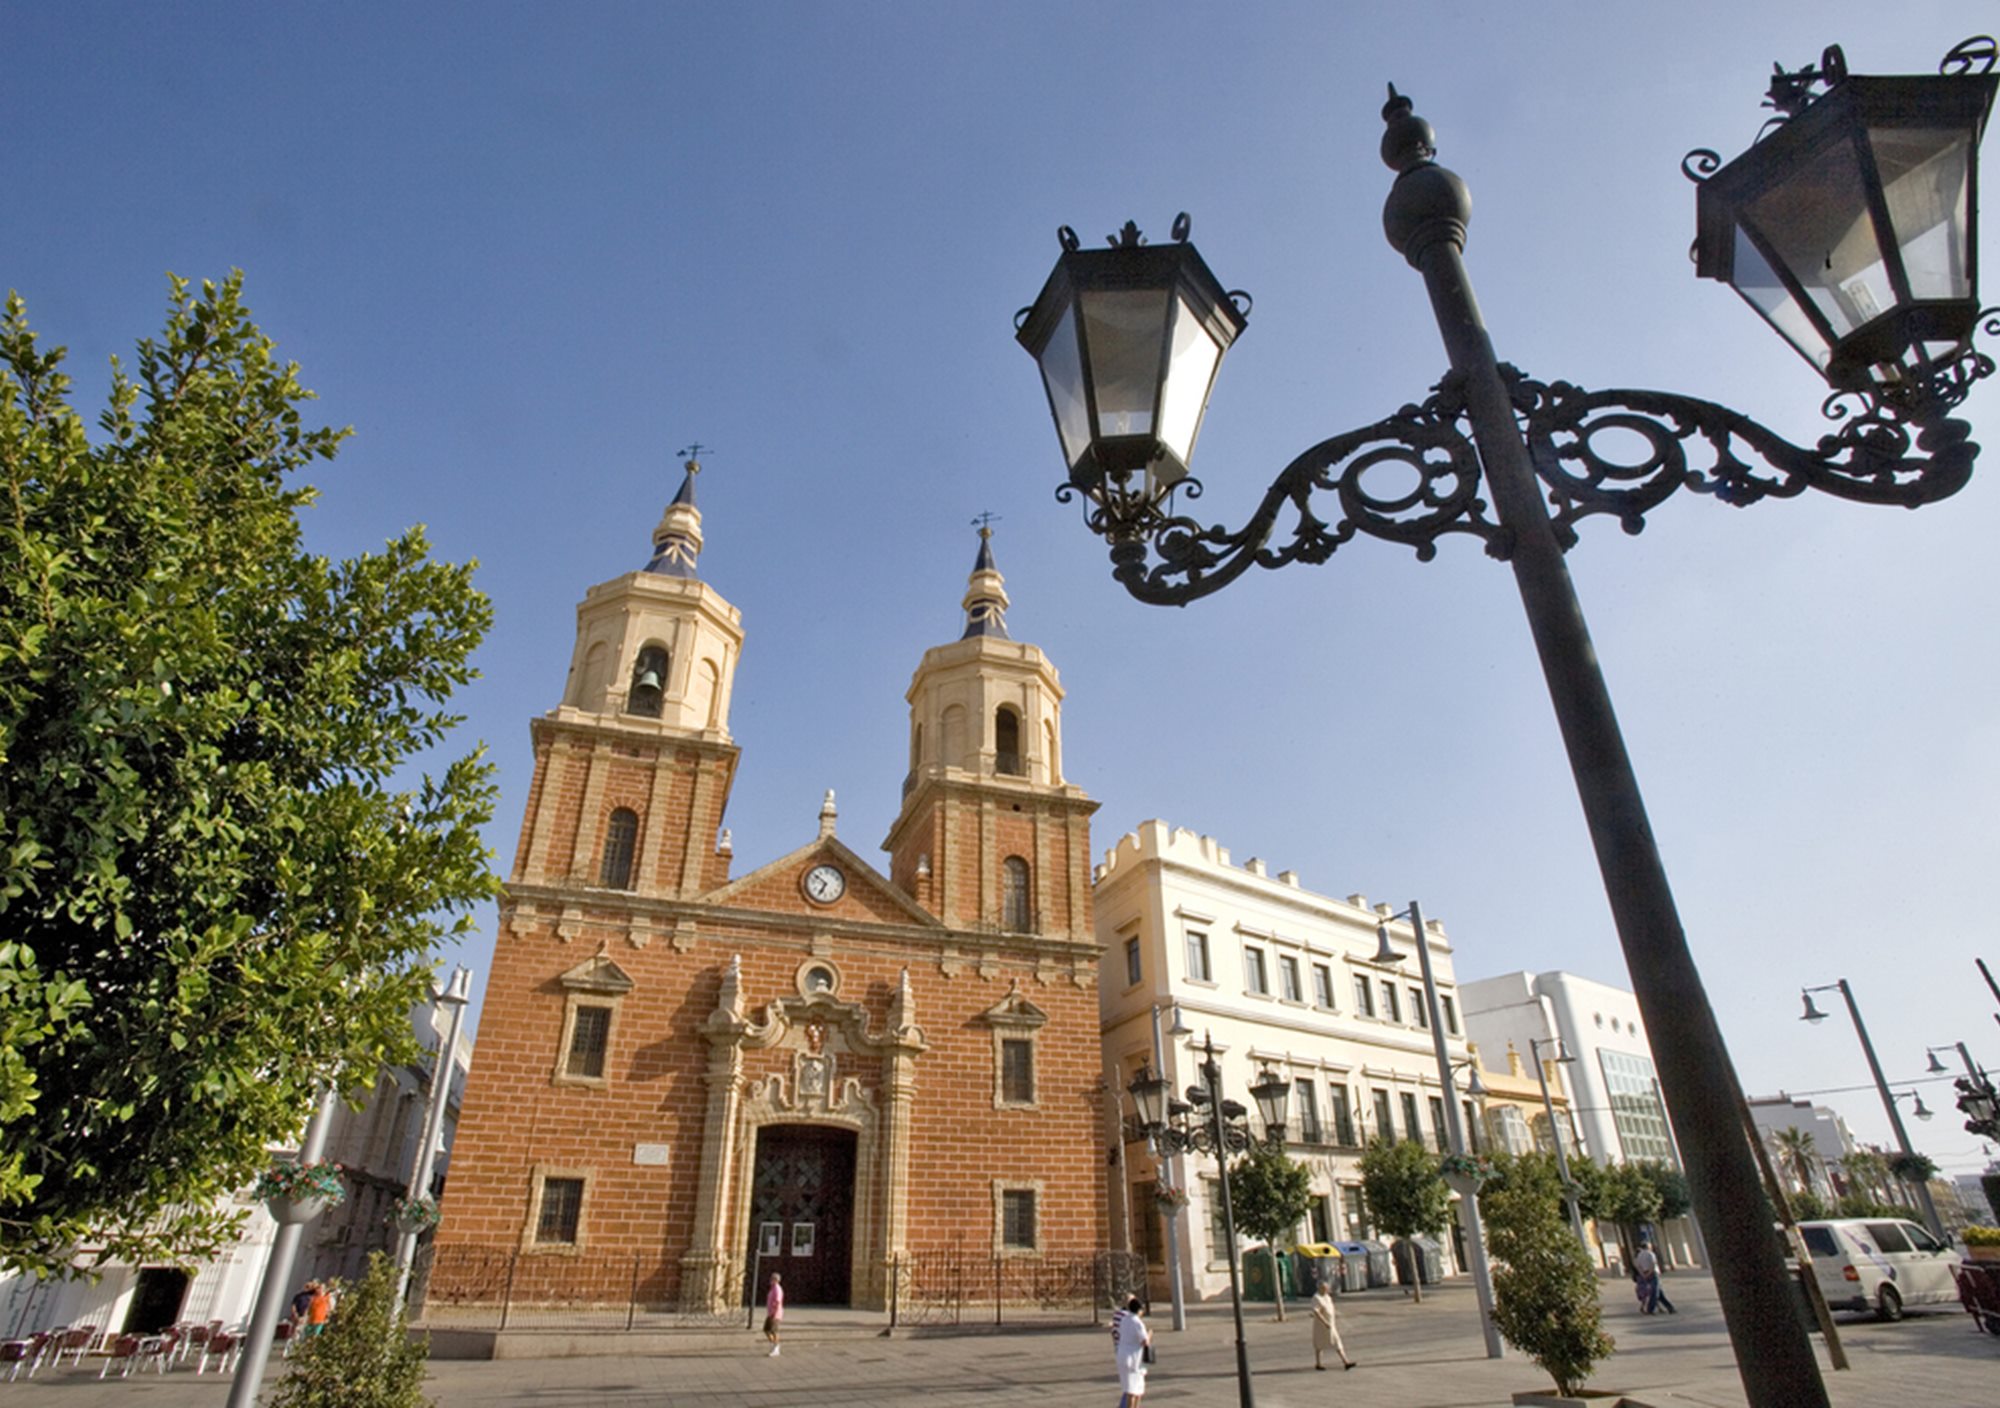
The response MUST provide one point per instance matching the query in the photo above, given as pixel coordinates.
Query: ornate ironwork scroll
(1414, 478)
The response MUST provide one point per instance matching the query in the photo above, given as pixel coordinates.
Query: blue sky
(528, 252)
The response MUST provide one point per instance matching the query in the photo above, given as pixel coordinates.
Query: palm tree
(1796, 1152)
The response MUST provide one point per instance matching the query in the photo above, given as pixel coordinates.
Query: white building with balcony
(1281, 979)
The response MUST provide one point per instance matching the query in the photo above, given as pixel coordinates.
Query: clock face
(825, 884)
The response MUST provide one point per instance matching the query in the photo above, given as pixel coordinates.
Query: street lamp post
(1866, 270)
(455, 997)
(1814, 1015)
(1467, 1188)
(1977, 1099)
(1221, 1130)
(1555, 1135)
(274, 1290)
(1176, 1172)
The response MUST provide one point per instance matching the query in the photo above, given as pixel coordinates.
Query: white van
(1880, 1264)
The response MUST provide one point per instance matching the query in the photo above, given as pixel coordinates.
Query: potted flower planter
(414, 1220)
(293, 1212)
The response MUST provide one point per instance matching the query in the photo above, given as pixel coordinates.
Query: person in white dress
(1326, 1332)
(1129, 1338)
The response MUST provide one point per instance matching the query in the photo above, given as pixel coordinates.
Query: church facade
(690, 1077)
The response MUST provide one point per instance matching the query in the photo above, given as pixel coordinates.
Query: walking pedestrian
(774, 1314)
(1326, 1334)
(1652, 1295)
(1131, 1343)
(318, 1309)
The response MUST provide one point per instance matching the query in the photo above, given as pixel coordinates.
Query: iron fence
(504, 1288)
(501, 1288)
(952, 1286)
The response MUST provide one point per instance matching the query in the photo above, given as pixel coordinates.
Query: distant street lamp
(1850, 229)
(1468, 1188)
(1814, 1015)
(1221, 1129)
(1570, 1199)
(1977, 1099)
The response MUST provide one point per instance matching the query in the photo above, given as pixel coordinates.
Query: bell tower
(990, 835)
(633, 767)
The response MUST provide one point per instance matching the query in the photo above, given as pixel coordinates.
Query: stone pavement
(1410, 1356)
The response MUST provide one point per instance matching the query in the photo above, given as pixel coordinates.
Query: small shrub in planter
(1545, 1296)
(365, 1359)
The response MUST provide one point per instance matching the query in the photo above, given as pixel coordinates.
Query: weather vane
(690, 456)
(983, 522)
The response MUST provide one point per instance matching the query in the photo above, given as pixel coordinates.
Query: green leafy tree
(1404, 1193)
(1545, 1294)
(1268, 1195)
(1631, 1200)
(1671, 1185)
(221, 878)
(1588, 1176)
(366, 1358)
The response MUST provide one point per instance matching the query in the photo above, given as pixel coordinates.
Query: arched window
(621, 836)
(1015, 914)
(649, 683)
(1007, 742)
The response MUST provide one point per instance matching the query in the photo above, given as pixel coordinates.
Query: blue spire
(985, 594)
(677, 541)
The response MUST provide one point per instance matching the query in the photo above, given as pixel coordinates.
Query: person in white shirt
(1129, 1338)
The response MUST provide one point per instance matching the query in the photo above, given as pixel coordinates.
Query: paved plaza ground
(1410, 1356)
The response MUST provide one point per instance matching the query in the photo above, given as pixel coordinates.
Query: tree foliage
(1545, 1294)
(1268, 1195)
(1670, 1187)
(366, 1358)
(219, 881)
(1404, 1193)
(1797, 1151)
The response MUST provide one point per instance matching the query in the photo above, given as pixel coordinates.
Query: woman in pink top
(774, 1313)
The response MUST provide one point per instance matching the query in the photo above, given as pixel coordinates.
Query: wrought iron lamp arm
(1415, 477)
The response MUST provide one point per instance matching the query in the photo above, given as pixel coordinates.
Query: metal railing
(504, 1288)
(953, 1286)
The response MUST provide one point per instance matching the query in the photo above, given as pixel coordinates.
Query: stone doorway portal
(802, 1213)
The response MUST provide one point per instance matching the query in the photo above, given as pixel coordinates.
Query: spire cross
(691, 457)
(983, 522)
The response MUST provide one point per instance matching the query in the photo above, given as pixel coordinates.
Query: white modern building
(1281, 980)
(377, 1149)
(1618, 1109)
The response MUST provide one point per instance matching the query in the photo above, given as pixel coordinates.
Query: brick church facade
(688, 1077)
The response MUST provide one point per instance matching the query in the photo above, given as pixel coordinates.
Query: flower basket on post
(297, 1193)
(1169, 1199)
(1463, 1173)
(415, 1215)
(1912, 1168)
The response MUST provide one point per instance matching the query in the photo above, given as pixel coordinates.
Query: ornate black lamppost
(1206, 1124)
(1850, 228)
(1977, 1100)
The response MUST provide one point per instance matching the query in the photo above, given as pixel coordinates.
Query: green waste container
(1257, 1283)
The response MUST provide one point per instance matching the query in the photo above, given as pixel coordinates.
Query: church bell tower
(633, 767)
(990, 836)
